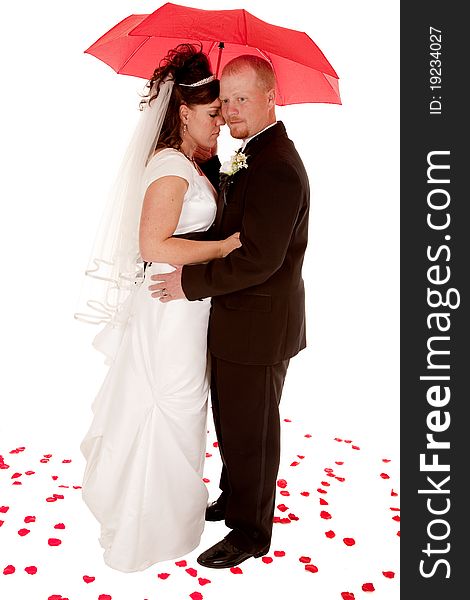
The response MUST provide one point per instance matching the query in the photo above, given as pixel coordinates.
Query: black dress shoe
(215, 511)
(224, 555)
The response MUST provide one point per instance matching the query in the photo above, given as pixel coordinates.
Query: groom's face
(247, 106)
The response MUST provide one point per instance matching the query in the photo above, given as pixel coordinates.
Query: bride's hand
(230, 244)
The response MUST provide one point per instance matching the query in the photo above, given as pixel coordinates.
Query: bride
(145, 447)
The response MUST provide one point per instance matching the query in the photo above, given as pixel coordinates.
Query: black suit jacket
(258, 304)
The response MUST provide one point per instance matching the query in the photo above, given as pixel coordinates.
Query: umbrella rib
(134, 52)
(329, 83)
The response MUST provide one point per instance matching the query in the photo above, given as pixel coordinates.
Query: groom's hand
(168, 287)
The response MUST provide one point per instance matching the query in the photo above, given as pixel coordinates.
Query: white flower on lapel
(236, 162)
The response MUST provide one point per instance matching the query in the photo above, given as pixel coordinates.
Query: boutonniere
(229, 168)
(237, 161)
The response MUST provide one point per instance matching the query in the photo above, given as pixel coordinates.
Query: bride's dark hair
(184, 64)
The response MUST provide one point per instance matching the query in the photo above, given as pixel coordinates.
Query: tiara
(198, 83)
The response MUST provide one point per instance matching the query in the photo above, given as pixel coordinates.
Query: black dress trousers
(245, 404)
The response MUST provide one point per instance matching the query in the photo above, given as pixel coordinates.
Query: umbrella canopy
(136, 45)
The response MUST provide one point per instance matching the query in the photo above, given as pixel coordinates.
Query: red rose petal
(208, 454)
(163, 575)
(384, 476)
(47, 455)
(216, 444)
(59, 526)
(51, 499)
(347, 441)
(320, 491)
(323, 502)
(388, 574)
(54, 542)
(306, 494)
(236, 570)
(307, 435)
(368, 587)
(203, 581)
(55, 477)
(276, 519)
(15, 475)
(394, 508)
(339, 462)
(279, 553)
(338, 440)
(340, 479)
(67, 460)
(23, 532)
(77, 487)
(282, 483)
(104, 597)
(88, 579)
(285, 520)
(295, 463)
(311, 568)
(17, 483)
(29, 519)
(31, 570)
(328, 470)
(349, 541)
(330, 534)
(347, 596)
(191, 572)
(396, 518)
(385, 460)
(293, 517)
(398, 533)
(196, 596)
(325, 515)
(58, 496)
(205, 480)
(284, 493)
(355, 447)
(55, 597)
(305, 559)
(393, 493)
(287, 420)
(282, 507)
(181, 563)
(44, 460)
(1, 523)
(267, 560)
(30, 472)
(9, 569)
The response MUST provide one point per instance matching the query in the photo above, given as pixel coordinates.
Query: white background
(65, 119)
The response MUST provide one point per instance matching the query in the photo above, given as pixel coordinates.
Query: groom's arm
(273, 201)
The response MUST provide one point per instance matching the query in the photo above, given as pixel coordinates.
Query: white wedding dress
(145, 448)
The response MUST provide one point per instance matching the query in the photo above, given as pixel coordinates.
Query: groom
(257, 320)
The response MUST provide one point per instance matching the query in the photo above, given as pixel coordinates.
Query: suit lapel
(254, 146)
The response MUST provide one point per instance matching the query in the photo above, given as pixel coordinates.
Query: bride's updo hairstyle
(186, 64)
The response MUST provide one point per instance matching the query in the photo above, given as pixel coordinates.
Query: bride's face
(203, 124)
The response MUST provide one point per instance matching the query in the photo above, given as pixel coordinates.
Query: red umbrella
(135, 46)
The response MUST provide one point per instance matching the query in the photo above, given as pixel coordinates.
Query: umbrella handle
(221, 47)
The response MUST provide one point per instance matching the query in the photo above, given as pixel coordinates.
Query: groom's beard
(238, 130)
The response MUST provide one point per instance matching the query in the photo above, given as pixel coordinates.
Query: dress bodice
(200, 200)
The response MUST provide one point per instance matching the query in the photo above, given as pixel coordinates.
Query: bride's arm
(161, 211)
